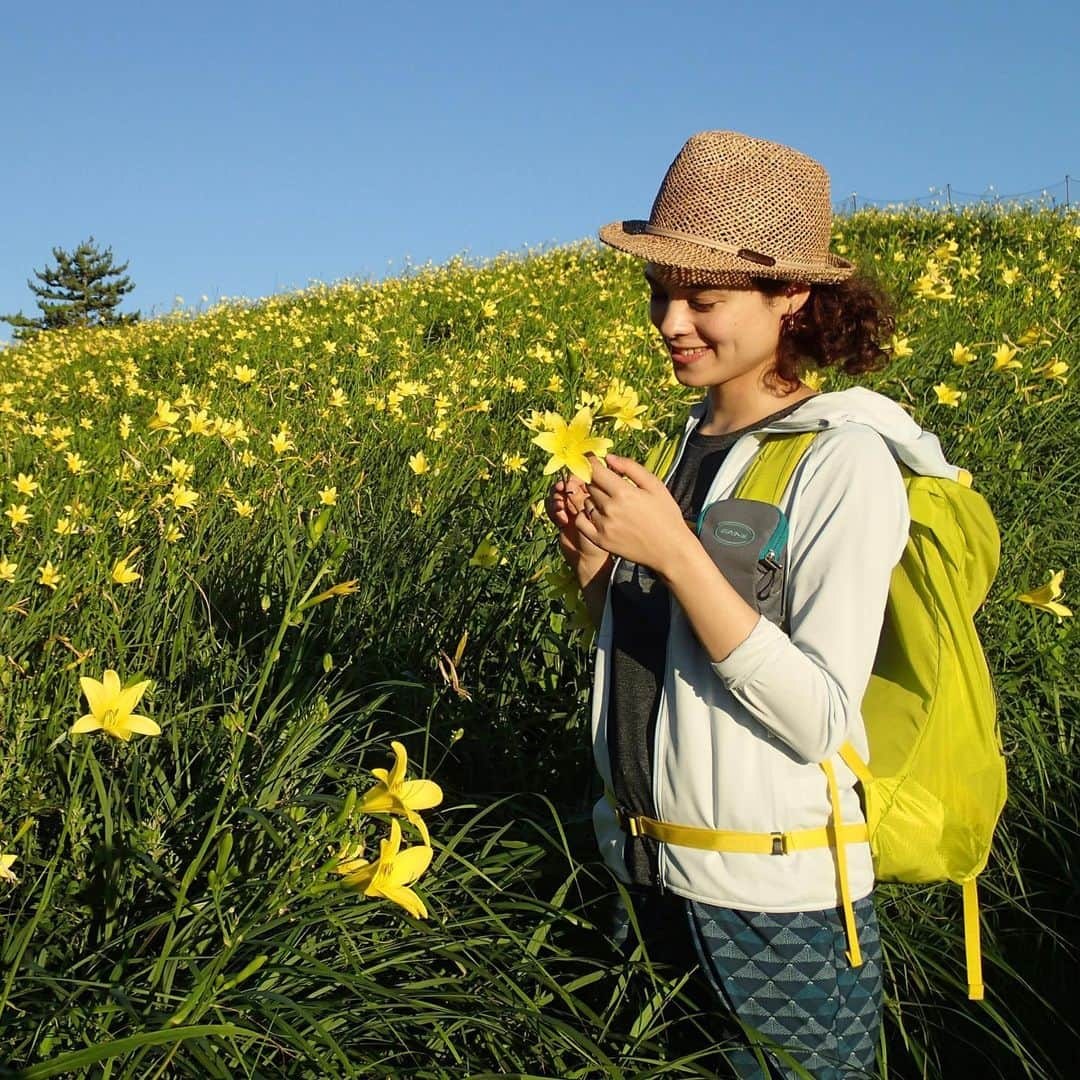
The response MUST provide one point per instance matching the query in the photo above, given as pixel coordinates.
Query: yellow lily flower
(350, 859)
(899, 347)
(1053, 369)
(281, 442)
(1045, 598)
(948, 395)
(393, 794)
(164, 416)
(1005, 358)
(5, 868)
(19, 514)
(568, 443)
(485, 555)
(110, 708)
(393, 872)
(961, 354)
(25, 484)
(122, 574)
(621, 404)
(50, 575)
(182, 497)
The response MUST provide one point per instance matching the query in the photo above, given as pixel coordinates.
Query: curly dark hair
(842, 324)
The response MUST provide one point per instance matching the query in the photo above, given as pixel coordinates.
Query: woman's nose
(675, 319)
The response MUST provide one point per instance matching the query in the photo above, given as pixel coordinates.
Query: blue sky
(240, 149)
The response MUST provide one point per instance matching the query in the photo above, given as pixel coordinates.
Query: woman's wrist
(588, 568)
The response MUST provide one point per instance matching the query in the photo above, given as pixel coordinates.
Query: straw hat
(732, 207)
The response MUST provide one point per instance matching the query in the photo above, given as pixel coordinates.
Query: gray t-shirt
(640, 609)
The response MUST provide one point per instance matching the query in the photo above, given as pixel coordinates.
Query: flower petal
(378, 799)
(361, 878)
(410, 864)
(418, 821)
(97, 694)
(142, 725)
(85, 724)
(579, 465)
(1036, 596)
(389, 848)
(406, 898)
(420, 794)
(548, 440)
(397, 773)
(128, 698)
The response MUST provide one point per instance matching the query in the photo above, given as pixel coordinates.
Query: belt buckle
(779, 844)
(628, 822)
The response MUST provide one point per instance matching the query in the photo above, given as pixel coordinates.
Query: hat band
(716, 245)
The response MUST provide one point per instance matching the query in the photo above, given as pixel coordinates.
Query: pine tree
(76, 292)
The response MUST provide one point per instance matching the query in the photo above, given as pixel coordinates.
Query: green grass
(175, 913)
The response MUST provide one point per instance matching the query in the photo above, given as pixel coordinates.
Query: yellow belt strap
(836, 835)
(972, 942)
(851, 759)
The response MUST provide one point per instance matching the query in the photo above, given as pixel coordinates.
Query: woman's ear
(796, 295)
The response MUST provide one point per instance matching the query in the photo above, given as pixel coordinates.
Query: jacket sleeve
(849, 524)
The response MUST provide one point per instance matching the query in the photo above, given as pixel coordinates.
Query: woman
(705, 713)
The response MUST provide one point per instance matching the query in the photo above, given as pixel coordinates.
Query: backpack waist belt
(836, 836)
(748, 843)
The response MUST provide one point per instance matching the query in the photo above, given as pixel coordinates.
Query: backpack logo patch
(733, 533)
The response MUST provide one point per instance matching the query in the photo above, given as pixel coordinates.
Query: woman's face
(717, 335)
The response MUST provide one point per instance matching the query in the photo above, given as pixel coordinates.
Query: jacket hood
(919, 450)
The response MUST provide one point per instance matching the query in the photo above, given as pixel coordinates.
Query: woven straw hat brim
(631, 237)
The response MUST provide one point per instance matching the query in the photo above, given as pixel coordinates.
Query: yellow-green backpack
(935, 783)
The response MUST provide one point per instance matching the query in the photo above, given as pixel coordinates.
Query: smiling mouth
(686, 356)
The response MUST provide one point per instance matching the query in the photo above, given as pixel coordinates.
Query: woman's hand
(564, 503)
(638, 521)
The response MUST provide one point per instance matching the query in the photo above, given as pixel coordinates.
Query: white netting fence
(1063, 194)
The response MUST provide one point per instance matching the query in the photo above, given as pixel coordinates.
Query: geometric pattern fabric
(786, 976)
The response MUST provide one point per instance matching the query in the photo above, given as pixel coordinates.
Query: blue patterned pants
(784, 975)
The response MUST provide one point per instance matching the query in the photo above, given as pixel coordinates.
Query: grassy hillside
(312, 525)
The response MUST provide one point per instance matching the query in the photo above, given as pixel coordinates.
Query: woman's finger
(587, 531)
(602, 477)
(624, 466)
(577, 497)
(599, 498)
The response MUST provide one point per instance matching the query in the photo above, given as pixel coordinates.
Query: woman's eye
(702, 305)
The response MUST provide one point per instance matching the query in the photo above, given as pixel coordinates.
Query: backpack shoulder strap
(770, 470)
